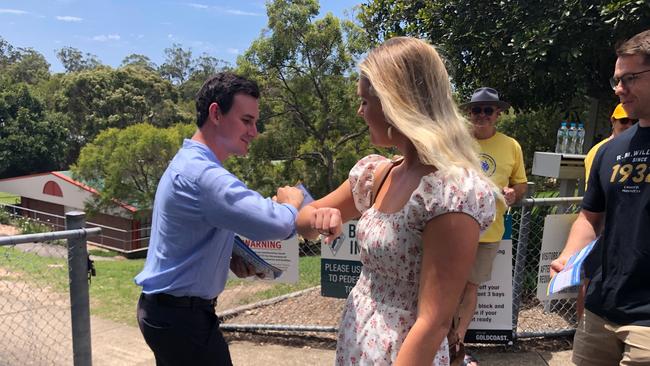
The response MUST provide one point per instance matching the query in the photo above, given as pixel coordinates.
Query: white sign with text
(556, 232)
(282, 254)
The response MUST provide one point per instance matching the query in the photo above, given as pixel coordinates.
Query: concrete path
(35, 330)
(117, 345)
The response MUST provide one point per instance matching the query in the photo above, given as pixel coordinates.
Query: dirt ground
(8, 230)
(313, 309)
(310, 308)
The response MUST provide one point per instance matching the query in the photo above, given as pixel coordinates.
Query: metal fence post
(79, 298)
(520, 264)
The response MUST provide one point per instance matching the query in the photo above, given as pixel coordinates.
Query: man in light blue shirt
(199, 206)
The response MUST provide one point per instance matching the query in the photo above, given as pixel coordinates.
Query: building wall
(54, 213)
(117, 232)
(32, 186)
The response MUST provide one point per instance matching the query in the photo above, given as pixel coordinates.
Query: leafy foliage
(188, 73)
(102, 98)
(532, 130)
(126, 164)
(305, 67)
(536, 55)
(139, 60)
(74, 60)
(31, 139)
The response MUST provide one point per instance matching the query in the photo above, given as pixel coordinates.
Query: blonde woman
(418, 232)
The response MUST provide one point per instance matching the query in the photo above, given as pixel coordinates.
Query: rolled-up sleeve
(227, 203)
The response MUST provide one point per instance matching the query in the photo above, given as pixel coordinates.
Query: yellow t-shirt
(589, 159)
(502, 161)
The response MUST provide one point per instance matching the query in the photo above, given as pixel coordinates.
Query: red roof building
(46, 197)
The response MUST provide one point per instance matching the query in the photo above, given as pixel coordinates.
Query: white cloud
(234, 51)
(13, 11)
(198, 6)
(236, 11)
(108, 37)
(241, 12)
(68, 18)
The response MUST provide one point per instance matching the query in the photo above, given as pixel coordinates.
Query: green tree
(139, 60)
(22, 65)
(8, 53)
(102, 98)
(202, 67)
(74, 60)
(305, 67)
(126, 164)
(30, 67)
(177, 67)
(31, 140)
(537, 55)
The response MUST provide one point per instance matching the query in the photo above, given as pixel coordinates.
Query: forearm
(520, 191)
(303, 223)
(422, 343)
(583, 231)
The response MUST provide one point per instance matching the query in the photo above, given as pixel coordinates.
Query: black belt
(179, 301)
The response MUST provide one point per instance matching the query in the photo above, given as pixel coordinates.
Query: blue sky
(113, 29)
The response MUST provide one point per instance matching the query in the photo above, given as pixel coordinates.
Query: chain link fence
(44, 304)
(30, 221)
(35, 303)
(531, 317)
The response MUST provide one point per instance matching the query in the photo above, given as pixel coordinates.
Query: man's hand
(241, 269)
(509, 195)
(289, 195)
(558, 265)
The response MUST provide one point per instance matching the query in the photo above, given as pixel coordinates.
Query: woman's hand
(327, 221)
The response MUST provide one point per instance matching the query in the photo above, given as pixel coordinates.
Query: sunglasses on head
(486, 110)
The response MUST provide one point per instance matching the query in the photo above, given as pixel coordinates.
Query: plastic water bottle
(573, 135)
(580, 140)
(562, 133)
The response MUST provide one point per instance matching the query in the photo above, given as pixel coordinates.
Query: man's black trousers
(182, 330)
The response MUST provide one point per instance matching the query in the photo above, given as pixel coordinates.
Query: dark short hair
(637, 45)
(221, 89)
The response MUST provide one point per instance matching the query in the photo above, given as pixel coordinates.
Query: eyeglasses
(627, 79)
(486, 110)
(625, 121)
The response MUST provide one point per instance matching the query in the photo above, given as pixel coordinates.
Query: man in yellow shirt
(502, 161)
(620, 122)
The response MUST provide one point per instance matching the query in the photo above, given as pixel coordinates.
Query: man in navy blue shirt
(199, 205)
(615, 326)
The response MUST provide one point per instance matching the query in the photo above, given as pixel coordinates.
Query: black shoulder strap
(381, 178)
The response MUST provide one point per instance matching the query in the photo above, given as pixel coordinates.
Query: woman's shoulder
(369, 161)
(362, 176)
(467, 192)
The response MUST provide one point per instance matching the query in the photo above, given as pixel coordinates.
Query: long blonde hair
(411, 81)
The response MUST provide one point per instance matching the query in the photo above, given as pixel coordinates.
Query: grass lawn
(113, 295)
(309, 270)
(8, 198)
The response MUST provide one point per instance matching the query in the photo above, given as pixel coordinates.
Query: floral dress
(382, 307)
